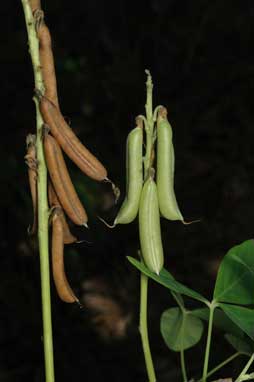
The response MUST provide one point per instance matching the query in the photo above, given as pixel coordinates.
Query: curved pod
(149, 227)
(134, 177)
(70, 143)
(62, 286)
(62, 182)
(165, 169)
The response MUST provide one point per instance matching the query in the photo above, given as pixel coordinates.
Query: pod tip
(83, 241)
(115, 189)
(106, 224)
(81, 306)
(191, 222)
(156, 269)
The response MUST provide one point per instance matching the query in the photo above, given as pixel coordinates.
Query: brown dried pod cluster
(70, 143)
(62, 183)
(58, 136)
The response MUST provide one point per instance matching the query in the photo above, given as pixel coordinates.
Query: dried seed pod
(31, 162)
(62, 286)
(62, 182)
(54, 202)
(70, 143)
(47, 64)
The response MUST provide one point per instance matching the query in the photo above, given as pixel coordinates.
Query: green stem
(149, 125)
(42, 199)
(183, 367)
(178, 298)
(220, 365)
(149, 98)
(143, 278)
(143, 328)
(208, 342)
(245, 369)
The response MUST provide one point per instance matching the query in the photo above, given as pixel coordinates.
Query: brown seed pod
(62, 182)
(70, 143)
(68, 237)
(47, 64)
(31, 162)
(62, 286)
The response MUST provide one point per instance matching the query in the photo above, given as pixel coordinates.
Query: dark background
(200, 54)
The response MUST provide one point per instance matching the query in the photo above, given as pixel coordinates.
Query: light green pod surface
(134, 177)
(149, 228)
(165, 172)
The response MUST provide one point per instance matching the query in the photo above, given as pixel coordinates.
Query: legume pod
(134, 176)
(149, 227)
(165, 169)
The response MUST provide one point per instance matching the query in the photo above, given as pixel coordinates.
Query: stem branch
(220, 365)
(245, 369)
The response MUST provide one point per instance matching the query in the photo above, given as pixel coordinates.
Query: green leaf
(167, 280)
(220, 321)
(167, 274)
(235, 280)
(239, 344)
(177, 296)
(241, 316)
(179, 329)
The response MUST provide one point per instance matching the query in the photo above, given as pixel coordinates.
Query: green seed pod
(134, 175)
(149, 227)
(165, 169)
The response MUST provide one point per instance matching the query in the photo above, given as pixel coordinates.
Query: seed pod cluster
(62, 183)
(58, 136)
(144, 196)
(70, 143)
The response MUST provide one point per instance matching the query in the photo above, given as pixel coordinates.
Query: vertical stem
(180, 303)
(44, 253)
(183, 368)
(42, 199)
(208, 342)
(143, 327)
(143, 278)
